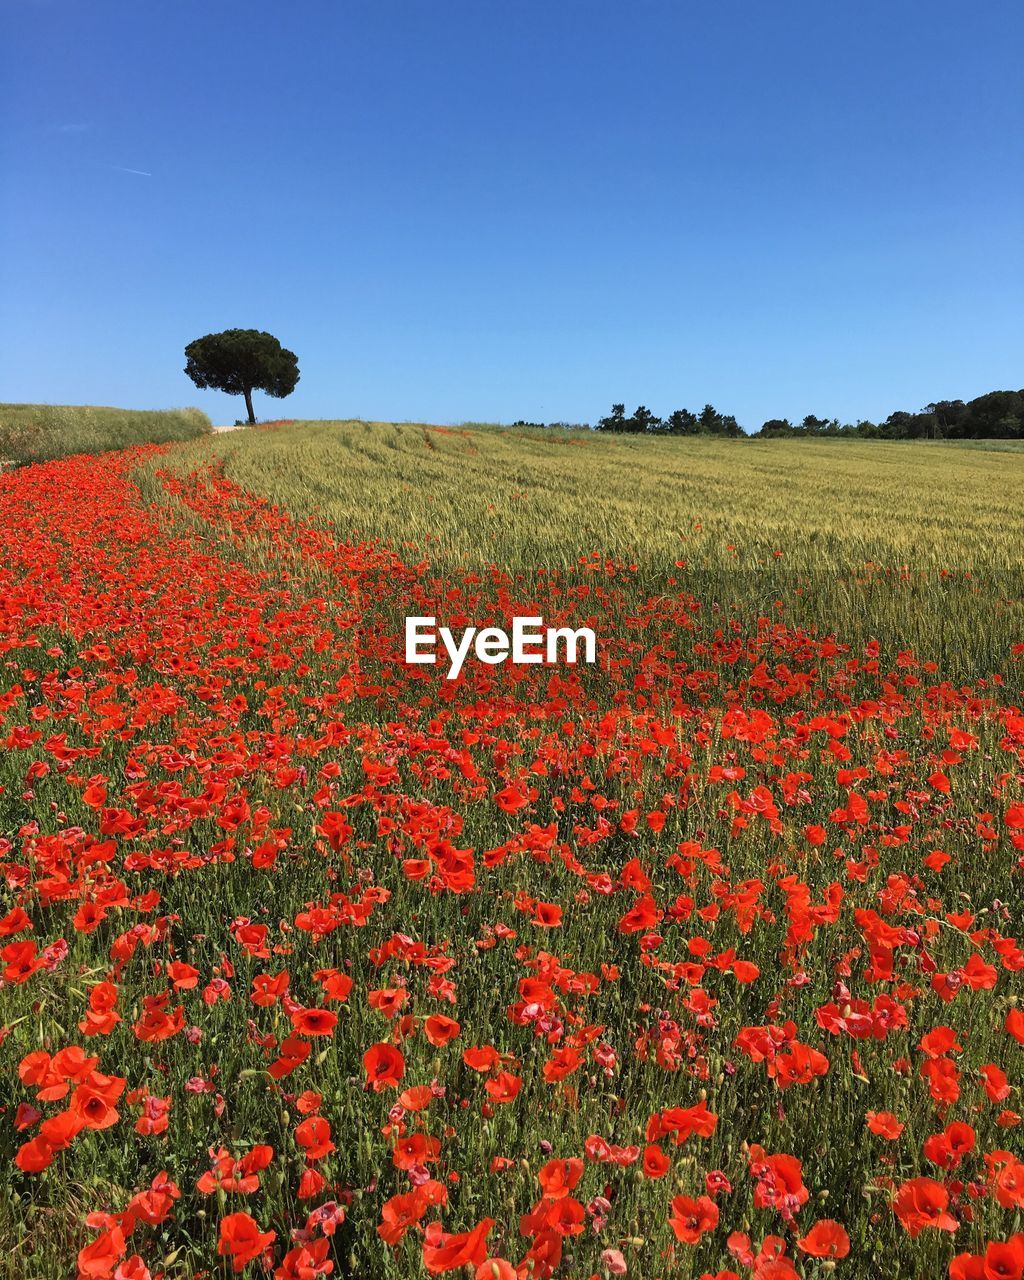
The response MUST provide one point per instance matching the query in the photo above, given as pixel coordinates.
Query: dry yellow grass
(539, 497)
(918, 545)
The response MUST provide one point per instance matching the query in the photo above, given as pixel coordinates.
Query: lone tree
(241, 361)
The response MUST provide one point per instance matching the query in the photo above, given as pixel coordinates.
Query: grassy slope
(545, 497)
(923, 515)
(38, 432)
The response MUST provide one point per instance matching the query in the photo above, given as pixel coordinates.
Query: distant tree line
(680, 422)
(997, 415)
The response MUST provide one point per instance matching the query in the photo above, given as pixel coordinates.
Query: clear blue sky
(478, 210)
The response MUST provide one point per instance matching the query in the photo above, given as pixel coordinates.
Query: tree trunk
(248, 405)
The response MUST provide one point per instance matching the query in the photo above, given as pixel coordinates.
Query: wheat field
(917, 545)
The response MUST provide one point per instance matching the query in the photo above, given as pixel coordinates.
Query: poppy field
(702, 961)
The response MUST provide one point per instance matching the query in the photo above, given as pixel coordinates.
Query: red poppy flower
(656, 1162)
(314, 1022)
(384, 1066)
(241, 1240)
(314, 1136)
(440, 1030)
(921, 1203)
(826, 1239)
(443, 1252)
(558, 1177)
(691, 1218)
(495, 1269)
(504, 1087)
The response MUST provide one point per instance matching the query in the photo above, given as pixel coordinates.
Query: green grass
(39, 432)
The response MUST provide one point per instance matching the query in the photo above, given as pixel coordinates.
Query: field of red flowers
(703, 962)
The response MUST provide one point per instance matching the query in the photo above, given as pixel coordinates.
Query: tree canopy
(241, 361)
(680, 422)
